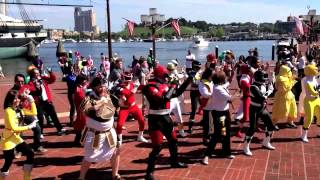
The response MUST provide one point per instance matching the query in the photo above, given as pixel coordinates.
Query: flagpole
(165, 25)
(153, 29)
(109, 30)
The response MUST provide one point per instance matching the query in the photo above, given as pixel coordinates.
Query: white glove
(270, 88)
(32, 125)
(30, 98)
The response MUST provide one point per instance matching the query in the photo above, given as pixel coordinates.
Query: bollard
(273, 49)
(217, 51)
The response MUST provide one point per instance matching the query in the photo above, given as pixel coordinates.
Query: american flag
(299, 26)
(130, 27)
(175, 26)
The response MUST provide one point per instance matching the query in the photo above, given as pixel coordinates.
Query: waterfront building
(85, 21)
(310, 17)
(152, 17)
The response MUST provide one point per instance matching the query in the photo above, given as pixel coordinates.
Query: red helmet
(127, 76)
(245, 69)
(160, 72)
(211, 57)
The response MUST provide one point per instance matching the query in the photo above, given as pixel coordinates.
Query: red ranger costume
(243, 110)
(159, 93)
(127, 103)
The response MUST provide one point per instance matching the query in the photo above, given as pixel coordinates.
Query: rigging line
(24, 15)
(43, 4)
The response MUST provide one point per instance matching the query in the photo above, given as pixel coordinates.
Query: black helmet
(196, 64)
(260, 76)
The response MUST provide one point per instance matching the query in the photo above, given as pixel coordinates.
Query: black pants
(188, 70)
(9, 156)
(217, 135)
(195, 98)
(254, 114)
(164, 124)
(207, 114)
(48, 108)
(36, 132)
(72, 107)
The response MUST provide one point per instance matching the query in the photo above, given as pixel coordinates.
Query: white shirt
(189, 59)
(206, 93)
(301, 62)
(220, 95)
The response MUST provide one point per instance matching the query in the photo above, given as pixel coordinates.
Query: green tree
(219, 32)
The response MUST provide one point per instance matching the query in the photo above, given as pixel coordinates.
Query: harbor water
(165, 52)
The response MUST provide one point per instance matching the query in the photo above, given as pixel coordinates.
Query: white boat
(96, 41)
(199, 41)
(121, 40)
(162, 39)
(85, 41)
(69, 41)
(48, 41)
(173, 39)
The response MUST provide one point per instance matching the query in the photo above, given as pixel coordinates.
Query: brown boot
(27, 168)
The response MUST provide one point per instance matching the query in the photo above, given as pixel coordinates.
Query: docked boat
(121, 40)
(16, 34)
(69, 41)
(199, 41)
(48, 41)
(96, 41)
(150, 40)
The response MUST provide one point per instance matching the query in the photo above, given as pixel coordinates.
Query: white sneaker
(142, 139)
(182, 133)
(205, 160)
(266, 143)
(304, 136)
(246, 149)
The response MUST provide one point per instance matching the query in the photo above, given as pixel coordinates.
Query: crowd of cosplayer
(98, 95)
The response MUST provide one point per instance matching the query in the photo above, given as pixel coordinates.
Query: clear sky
(214, 11)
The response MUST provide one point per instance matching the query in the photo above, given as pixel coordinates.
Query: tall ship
(17, 35)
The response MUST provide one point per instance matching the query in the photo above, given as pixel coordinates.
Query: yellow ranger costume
(311, 101)
(11, 134)
(284, 107)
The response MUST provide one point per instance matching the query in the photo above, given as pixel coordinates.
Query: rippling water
(165, 52)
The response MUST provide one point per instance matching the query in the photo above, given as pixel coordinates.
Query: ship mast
(3, 7)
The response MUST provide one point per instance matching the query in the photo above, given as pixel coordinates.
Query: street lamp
(109, 30)
(153, 20)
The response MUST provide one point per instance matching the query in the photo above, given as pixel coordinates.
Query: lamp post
(109, 30)
(153, 20)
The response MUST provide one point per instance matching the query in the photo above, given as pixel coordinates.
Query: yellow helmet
(311, 70)
(171, 67)
(30, 68)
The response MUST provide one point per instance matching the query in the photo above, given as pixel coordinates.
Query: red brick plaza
(292, 158)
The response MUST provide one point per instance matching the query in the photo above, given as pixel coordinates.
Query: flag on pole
(299, 26)
(130, 27)
(175, 26)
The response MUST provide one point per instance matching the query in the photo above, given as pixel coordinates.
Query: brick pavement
(292, 159)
